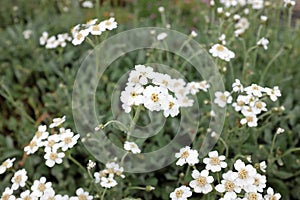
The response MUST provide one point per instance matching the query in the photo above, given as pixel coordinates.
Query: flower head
(181, 193)
(222, 52)
(187, 155)
(215, 162)
(131, 146)
(6, 165)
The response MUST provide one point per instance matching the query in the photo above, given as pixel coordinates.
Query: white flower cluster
(250, 100)
(244, 181)
(81, 31)
(289, 3)
(54, 144)
(40, 189)
(158, 92)
(54, 42)
(106, 177)
(256, 4)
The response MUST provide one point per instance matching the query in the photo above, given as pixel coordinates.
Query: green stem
(116, 122)
(103, 194)
(133, 122)
(288, 152)
(225, 145)
(123, 158)
(76, 162)
(269, 65)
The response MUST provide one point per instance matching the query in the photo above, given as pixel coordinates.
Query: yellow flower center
(32, 144)
(96, 28)
(185, 154)
(154, 98)
(18, 179)
(51, 143)
(249, 119)
(79, 36)
(214, 161)
(252, 196)
(4, 164)
(229, 186)
(133, 94)
(240, 103)
(243, 174)
(82, 197)
(223, 97)
(53, 156)
(108, 23)
(38, 134)
(179, 193)
(259, 105)
(68, 140)
(201, 181)
(171, 104)
(220, 48)
(42, 187)
(5, 197)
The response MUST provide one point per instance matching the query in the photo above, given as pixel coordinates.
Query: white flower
(246, 174)
(229, 3)
(271, 196)
(184, 101)
(81, 194)
(8, 194)
(52, 142)
(194, 34)
(51, 43)
(202, 181)
(43, 38)
(177, 84)
(222, 39)
(181, 193)
(26, 195)
(131, 146)
(263, 166)
(91, 164)
(215, 162)
(49, 194)
(240, 103)
(40, 186)
(109, 24)
(68, 140)
(170, 106)
(187, 155)
(241, 26)
(253, 196)
(222, 98)
(258, 106)
(263, 42)
(79, 37)
(57, 122)
(222, 52)
(132, 96)
(162, 80)
(237, 86)
(154, 97)
(257, 4)
(113, 168)
(32, 147)
(108, 182)
(53, 157)
(254, 90)
(278, 131)
(41, 133)
(263, 18)
(289, 3)
(96, 29)
(161, 36)
(161, 9)
(259, 182)
(6, 165)
(19, 179)
(140, 75)
(228, 185)
(62, 197)
(273, 93)
(87, 4)
(250, 120)
(27, 34)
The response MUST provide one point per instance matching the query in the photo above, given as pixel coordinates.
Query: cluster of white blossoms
(54, 144)
(106, 178)
(54, 41)
(244, 182)
(81, 31)
(158, 92)
(250, 101)
(241, 26)
(40, 189)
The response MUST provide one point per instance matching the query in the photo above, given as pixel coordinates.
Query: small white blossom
(87, 4)
(26, 195)
(187, 155)
(237, 86)
(222, 98)
(8, 194)
(27, 34)
(271, 195)
(108, 182)
(40, 186)
(263, 42)
(263, 166)
(222, 52)
(53, 157)
(181, 193)
(57, 122)
(131, 146)
(6, 165)
(273, 93)
(161, 9)
(279, 131)
(19, 179)
(215, 162)
(228, 185)
(91, 164)
(161, 36)
(202, 181)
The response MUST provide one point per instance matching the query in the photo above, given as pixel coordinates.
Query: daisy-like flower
(202, 181)
(250, 120)
(108, 182)
(263, 42)
(258, 107)
(6, 165)
(222, 52)
(68, 140)
(228, 185)
(170, 106)
(131, 146)
(241, 26)
(253, 196)
(215, 162)
(162, 80)
(259, 182)
(154, 97)
(52, 142)
(82, 195)
(40, 186)
(140, 75)
(229, 3)
(26, 195)
(254, 90)
(79, 37)
(41, 133)
(53, 157)
(49, 194)
(273, 93)
(177, 84)
(113, 168)
(237, 86)
(96, 29)
(8, 194)
(240, 103)
(181, 193)
(187, 155)
(51, 43)
(132, 96)
(57, 122)
(19, 179)
(109, 24)
(162, 36)
(246, 174)
(271, 195)
(87, 4)
(32, 147)
(222, 98)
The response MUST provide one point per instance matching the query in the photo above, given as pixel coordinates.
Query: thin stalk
(76, 162)
(133, 122)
